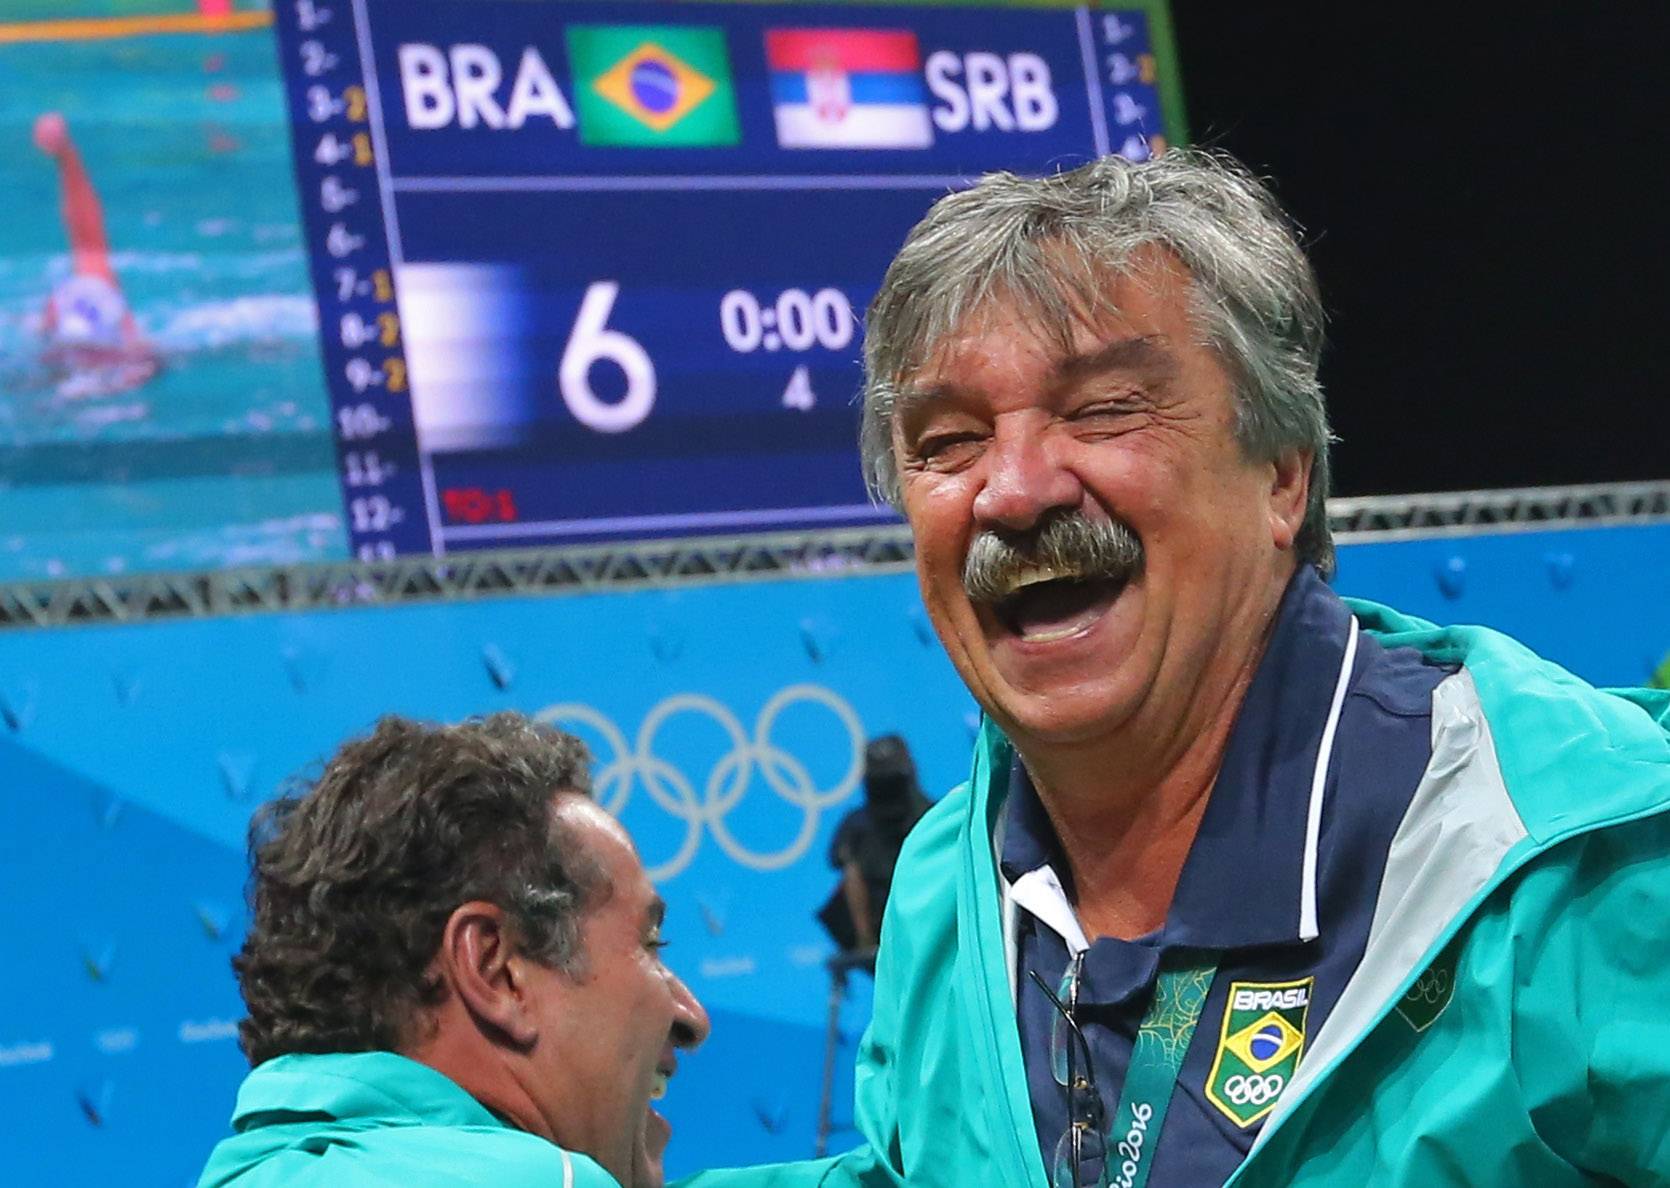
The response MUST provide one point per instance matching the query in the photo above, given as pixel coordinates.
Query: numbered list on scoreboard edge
(630, 246)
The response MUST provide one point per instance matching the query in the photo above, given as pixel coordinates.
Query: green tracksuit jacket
(378, 1120)
(1525, 904)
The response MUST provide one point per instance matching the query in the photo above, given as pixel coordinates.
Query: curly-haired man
(453, 974)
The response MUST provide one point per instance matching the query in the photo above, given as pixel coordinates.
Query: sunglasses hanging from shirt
(1122, 1155)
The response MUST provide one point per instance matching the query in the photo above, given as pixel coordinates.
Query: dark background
(1485, 199)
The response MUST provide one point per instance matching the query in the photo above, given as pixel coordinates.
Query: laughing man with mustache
(1249, 882)
(453, 975)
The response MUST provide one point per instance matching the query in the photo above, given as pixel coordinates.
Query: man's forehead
(595, 830)
(631, 893)
(1087, 318)
(576, 809)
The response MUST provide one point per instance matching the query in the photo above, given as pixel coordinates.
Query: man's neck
(475, 1068)
(1126, 845)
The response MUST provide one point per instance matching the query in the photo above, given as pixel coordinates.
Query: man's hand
(52, 135)
(647, 1170)
(857, 892)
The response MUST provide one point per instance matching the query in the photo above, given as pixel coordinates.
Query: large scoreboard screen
(592, 271)
(296, 280)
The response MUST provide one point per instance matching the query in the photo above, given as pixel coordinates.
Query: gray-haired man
(1248, 882)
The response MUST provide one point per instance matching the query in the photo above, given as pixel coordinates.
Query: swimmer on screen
(89, 328)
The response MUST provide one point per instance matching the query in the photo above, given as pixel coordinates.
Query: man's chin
(647, 1171)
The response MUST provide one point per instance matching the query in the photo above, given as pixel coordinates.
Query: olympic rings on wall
(623, 767)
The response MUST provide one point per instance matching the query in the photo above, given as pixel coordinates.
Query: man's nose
(1024, 480)
(690, 1021)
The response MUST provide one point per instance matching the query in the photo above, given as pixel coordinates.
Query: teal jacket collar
(355, 1085)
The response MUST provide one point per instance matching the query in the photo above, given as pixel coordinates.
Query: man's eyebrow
(1145, 353)
(656, 912)
(911, 399)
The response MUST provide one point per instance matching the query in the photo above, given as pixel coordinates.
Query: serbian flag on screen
(848, 88)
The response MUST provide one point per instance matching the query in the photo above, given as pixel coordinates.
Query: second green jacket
(1527, 890)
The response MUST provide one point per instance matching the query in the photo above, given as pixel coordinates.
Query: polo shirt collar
(1243, 881)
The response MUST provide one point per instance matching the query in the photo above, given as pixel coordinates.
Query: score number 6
(590, 341)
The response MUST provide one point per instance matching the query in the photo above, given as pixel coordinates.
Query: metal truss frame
(1473, 513)
(696, 561)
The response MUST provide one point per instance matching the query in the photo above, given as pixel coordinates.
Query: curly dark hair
(352, 879)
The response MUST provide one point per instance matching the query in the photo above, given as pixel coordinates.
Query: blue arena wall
(727, 722)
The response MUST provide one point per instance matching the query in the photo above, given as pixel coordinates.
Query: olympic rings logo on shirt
(625, 766)
(1430, 987)
(1254, 1090)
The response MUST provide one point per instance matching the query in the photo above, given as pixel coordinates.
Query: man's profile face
(1002, 430)
(611, 1034)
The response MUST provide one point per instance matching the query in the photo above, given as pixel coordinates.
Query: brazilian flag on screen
(652, 85)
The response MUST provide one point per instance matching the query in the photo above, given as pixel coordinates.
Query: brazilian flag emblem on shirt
(1259, 1048)
(652, 85)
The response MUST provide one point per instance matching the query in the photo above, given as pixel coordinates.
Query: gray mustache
(1069, 542)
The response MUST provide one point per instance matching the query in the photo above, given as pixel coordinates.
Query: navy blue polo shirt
(1239, 893)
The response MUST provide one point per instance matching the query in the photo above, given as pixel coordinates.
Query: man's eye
(1105, 418)
(948, 448)
(1104, 411)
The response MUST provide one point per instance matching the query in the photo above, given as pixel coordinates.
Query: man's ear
(1289, 495)
(479, 959)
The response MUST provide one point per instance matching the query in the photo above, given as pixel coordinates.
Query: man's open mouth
(1042, 608)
